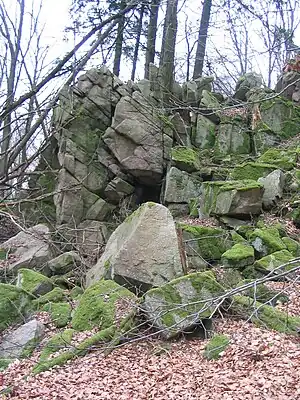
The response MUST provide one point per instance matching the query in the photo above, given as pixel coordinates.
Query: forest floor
(258, 364)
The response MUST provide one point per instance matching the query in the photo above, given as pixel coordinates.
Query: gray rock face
(232, 198)
(232, 138)
(138, 140)
(245, 83)
(181, 186)
(24, 338)
(64, 263)
(31, 249)
(205, 133)
(273, 188)
(142, 251)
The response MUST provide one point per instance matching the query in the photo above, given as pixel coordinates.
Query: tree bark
(137, 42)
(151, 36)
(202, 37)
(119, 41)
(167, 57)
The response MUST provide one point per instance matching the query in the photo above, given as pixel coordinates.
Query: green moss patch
(15, 304)
(269, 263)
(57, 295)
(60, 313)
(263, 294)
(266, 241)
(181, 302)
(293, 246)
(239, 256)
(33, 282)
(252, 170)
(208, 243)
(185, 159)
(264, 316)
(215, 347)
(98, 305)
(80, 349)
(283, 158)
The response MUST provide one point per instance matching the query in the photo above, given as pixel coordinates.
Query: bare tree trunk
(167, 56)
(119, 41)
(151, 36)
(137, 42)
(202, 37)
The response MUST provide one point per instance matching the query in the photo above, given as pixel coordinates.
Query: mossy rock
(251, 273)
(272, 261)
(33, 282)
(293, 246)
(284, 158)
(215, 347)
(264, 315)
(232, 198)
(252, 170)
(80, 350)
(229, 278)
(58, 342)
(185, 159)
(237, 238)
(76, 292)
(15, 305)
(239, 256)
(98, 305)
(266, 241)
(181, 303)
(57, 295)
(60, 313)
(194, 207)
(206, 242)
(263, 294)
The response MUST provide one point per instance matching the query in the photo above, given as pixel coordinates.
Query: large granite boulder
(142, 252)
(181, 186)
(245, 83)
(31, 248)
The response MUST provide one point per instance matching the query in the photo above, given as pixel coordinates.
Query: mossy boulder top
(266, 241)
(142, 252)
(239, 256)
(207, 242)
(185, 159)
(182, 303)
(102, 305)
(33, 282)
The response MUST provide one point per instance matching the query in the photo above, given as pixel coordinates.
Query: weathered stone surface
(273, 188)
(209, 100)
(204, 135)
(245, 83)
(21, 340)
(289, 86)
(181, 186)
(192, 90)
(232, 138)
(181, 129)
(64, 263)
(117, 189)
(172, 309)
(100, 210)
(142, 251)
(31, 249)
(138, 140)
(232, 198)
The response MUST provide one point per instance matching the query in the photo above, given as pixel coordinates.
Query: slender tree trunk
(151, 36)
(137, 42)
(167, 57)
(119, 42)
(202, 37)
